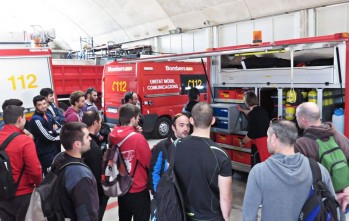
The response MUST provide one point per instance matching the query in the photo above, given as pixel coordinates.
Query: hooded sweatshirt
(281, 185)
(310, 148)
(71, 115)
(136, 153)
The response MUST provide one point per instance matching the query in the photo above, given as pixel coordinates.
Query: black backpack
(44, 201)
(169, 198)
(321, 204)
(8, 187)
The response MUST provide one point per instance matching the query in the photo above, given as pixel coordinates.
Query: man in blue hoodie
(281, 184)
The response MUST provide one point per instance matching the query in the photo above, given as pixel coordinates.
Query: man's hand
(55, 127)
(343, 198)
(238, 107)
(139, 129)
(26, 132)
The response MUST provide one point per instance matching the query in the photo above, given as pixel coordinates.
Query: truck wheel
(62, 106)
(162, 127)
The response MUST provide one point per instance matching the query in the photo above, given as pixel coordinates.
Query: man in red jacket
(137, 154)
(22, 153)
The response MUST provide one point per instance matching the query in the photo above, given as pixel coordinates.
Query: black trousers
(103, 202)
(15, 209)
(136, 205)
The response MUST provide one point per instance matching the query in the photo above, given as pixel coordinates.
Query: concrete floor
(239, 185)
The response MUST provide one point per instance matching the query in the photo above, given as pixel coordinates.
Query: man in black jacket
(93, 157)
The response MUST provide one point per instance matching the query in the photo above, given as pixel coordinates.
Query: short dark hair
(202, 115)
(193, 93)
(15, 102)
(12, 113)
(38, 98)
(90, 117)
(70, 133)
(178, 116)
(89, 91)
(126, 112)
(285, 130)
(75, 96)
(128, 96)
(251, 98)
(46, 91)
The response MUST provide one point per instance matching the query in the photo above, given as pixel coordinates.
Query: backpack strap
(313, 137)
(8, 140)
(315, 170)
(3, 147)
(128, 136)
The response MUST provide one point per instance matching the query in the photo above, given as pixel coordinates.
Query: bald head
(308, 114)
(202, 115)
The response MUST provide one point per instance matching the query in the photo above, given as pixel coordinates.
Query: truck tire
(162, 127)
(62, 106)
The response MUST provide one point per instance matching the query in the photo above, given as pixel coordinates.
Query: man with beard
(94, 156)
(90, 100)
(46, 133)
(160, 152)
(74, 112)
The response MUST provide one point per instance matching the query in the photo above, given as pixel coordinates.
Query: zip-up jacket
(158, 163)
(78, 190)
(71, 115)
(136, 153)
(56, 113)
(47, 139)
(21, 151)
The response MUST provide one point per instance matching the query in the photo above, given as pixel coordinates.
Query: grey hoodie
(281, 185)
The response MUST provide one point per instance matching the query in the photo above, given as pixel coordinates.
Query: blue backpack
(321, 204)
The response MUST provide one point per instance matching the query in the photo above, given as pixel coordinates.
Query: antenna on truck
(208, 81)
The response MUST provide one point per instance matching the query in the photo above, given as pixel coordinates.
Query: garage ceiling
(130, 20)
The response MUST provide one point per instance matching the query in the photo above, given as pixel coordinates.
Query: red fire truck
(316, 67)
(162, 90)
(24, 72)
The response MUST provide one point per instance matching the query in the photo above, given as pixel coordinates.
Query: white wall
(332, 19)
(304, 23)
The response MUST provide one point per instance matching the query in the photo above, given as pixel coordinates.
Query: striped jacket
(46, 139)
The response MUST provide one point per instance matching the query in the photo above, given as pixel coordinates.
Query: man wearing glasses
(281, 184)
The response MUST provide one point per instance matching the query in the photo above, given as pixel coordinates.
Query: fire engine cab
(162, 90)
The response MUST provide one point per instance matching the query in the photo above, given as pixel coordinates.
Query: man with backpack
(203, 170)
(159, 160)
(136, 154)
(323, 143)
(282, 183)
(18, 103)
(78, 196)
(22, 166)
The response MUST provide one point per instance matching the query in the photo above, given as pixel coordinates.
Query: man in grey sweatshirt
(282, 183)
